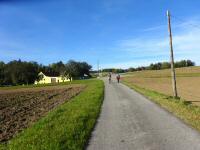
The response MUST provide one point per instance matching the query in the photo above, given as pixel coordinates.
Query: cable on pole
(183, 21)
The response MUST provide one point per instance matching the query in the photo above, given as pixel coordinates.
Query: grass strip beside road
(184, 110)
(68, 127)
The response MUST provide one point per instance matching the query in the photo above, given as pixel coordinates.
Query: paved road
(129, 121)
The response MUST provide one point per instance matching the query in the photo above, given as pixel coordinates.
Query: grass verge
(67, 127)
(184, 110)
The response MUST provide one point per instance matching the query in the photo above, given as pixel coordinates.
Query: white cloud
(186, 42)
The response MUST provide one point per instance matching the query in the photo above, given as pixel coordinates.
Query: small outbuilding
(44, 79)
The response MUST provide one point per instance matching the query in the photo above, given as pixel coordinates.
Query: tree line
(19, 72)
(114, 70)
(164, 65)
(153, 66)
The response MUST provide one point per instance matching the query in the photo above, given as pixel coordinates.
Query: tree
(190, 63)
(184, 63)
(58, 67)
(165, 65)
(75, 69)
(18, 72)
(72, 69)
(131, 69)
(84, 68)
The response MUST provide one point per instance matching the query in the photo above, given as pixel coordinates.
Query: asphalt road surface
(129, 121)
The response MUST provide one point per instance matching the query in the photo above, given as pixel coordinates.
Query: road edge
(170, 105)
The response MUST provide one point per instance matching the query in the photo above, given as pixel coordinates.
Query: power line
(183, 21)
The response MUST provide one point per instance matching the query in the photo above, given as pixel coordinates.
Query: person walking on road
(118, 78)
(109, 77)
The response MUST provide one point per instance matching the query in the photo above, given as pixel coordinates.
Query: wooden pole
(173, 74)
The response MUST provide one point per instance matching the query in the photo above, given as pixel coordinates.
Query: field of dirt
(188, 82)
(19, 108)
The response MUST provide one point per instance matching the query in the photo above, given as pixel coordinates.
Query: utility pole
(173, 74)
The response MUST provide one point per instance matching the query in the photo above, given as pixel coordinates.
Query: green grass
(67, 127)
(40, 85)
(35, 85)
(184, 110)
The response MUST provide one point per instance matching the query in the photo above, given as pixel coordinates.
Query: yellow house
(49, 79)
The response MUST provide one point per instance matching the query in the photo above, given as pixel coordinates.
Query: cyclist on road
(118, 78)
(109, 77)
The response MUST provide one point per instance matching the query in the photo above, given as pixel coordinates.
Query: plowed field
(21, 107)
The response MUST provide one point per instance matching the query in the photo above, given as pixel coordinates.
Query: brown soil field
(20, 108)
(188, 82)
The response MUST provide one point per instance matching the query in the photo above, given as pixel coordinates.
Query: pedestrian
(118, 78)
(109, 77)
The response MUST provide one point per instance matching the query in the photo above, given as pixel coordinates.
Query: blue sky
(118, 33)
